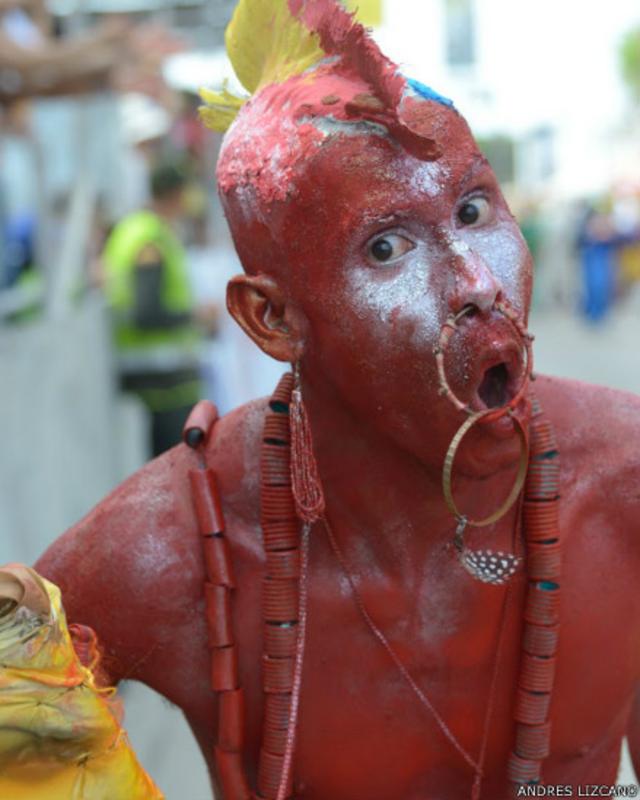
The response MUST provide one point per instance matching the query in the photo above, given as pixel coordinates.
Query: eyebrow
(362, 218)
(480, 162)
(396, 216)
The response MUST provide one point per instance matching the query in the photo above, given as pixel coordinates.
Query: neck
(386, 505)
(163, 211)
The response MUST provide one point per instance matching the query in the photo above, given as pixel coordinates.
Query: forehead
(354, 173)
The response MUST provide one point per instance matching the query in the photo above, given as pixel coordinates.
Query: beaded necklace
(284, 605)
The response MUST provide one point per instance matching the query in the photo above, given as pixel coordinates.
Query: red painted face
(382, 247)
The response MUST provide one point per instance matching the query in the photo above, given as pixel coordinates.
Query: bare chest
(369, 728)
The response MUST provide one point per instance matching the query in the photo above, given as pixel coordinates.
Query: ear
(258, 305)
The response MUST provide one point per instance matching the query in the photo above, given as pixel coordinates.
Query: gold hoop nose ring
(450, 327)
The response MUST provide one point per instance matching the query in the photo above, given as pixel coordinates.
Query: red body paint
(306, 200)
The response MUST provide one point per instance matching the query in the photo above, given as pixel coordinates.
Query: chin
(493, 447)
(487, 457)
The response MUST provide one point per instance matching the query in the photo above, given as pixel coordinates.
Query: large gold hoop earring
(486, 565)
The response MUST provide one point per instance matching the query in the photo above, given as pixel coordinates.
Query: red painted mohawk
(312, 72)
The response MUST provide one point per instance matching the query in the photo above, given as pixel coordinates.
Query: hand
(116, 27)
(140, 68)
(24, 5)
(153, 42)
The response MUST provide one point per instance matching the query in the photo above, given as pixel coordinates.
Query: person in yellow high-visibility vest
(155, 319)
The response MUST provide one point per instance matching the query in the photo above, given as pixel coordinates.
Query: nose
(475, 283)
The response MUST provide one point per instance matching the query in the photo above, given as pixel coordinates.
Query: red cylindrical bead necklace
(284, 602)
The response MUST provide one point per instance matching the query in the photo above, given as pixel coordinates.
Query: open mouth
(495, 389)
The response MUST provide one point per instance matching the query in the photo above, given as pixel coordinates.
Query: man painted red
(366, 219)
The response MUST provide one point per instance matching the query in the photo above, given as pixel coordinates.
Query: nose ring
(451, 326)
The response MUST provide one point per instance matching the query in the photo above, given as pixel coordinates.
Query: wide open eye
(475, 211)
(389, 248)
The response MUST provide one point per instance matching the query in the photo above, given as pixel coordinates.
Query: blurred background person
(597, 246)
(157, 324)
(608, 241)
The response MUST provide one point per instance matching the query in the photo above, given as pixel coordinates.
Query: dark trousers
(166, 424)
(166, 428)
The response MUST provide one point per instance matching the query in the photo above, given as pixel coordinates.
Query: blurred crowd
(586, 251)
(608, 247)
(117, 57)
(105, 164)
(153, 136)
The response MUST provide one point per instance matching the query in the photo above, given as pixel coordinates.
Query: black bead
(194, 437)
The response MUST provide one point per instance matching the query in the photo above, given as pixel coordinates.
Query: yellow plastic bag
(60, 738)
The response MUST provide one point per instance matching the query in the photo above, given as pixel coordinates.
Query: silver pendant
(485, 565)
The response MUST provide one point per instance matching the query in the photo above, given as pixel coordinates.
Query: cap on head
(312, 72)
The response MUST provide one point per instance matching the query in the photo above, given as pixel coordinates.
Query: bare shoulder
(592, 416)
(132, 568)
(598, 432)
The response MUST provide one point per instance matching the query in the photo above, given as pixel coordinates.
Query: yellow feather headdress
(266, 44)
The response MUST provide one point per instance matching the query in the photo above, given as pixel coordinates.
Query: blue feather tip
(428, 93)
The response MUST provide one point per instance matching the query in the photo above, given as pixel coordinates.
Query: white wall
(544, 63)
(61, 434)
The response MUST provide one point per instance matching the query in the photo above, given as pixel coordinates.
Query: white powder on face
(259, 175)
(247, 160)
(402, 295)
(431, 178)
(409, 305)
(502, 250)
(405, 294)
(459, 247)
(454, 243)
(248, 207)
(330, 126)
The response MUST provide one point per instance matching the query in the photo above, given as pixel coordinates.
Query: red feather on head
(343, 36)
(282, 126)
